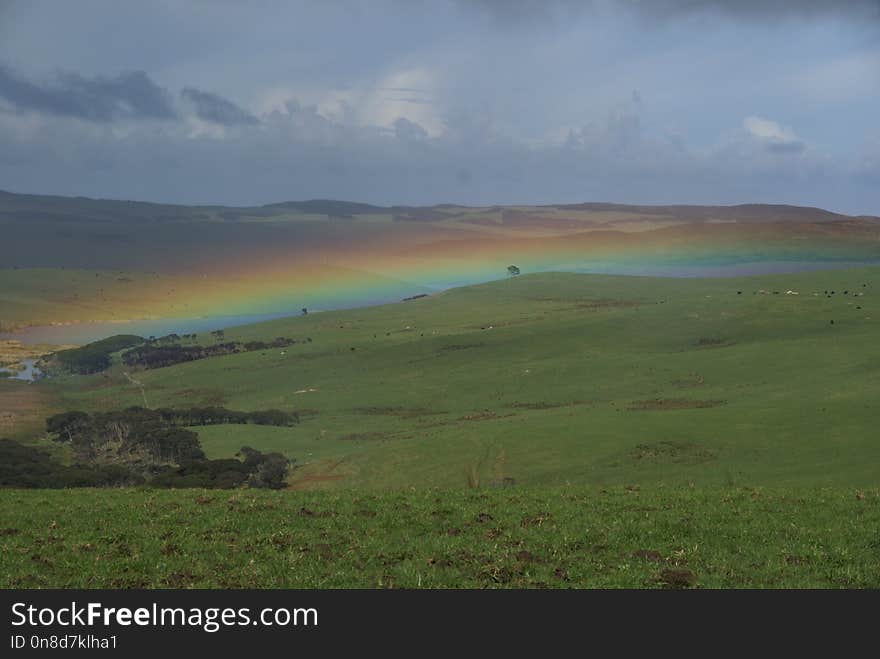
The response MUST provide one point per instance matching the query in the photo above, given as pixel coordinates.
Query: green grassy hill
(522, 538)
(554, 379)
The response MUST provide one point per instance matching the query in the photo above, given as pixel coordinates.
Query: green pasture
(554, 379)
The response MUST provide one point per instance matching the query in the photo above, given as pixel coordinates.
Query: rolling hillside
(552, 379)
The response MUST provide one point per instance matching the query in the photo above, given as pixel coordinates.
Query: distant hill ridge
(14, 206)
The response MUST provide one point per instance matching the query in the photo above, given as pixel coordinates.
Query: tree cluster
(259, 470)
(150, 353)
(215, 415)
(150, 436)
(27, 467)
(141, 446)
(133, 435)
(159, 356)
(93, 357)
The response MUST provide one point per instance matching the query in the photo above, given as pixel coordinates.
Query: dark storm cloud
(128, 95)
(406, 130)
(762, 9)
(518, 11)
(216, 109)
(416, 101)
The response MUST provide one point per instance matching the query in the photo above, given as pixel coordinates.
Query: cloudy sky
(431, 101)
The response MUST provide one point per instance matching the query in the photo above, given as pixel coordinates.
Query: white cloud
(402, 94)
(409, 94)
(768, 129)
(775, 137)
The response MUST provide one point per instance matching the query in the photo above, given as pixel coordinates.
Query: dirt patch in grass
(363, 436)
(651, 555)
(401, 412)
(601, 305)
(539, 405)
(460, 346)
(693, 380)
(525, 556)
(677, 577)
(485, 415)
(678, 452)
(546, 405)
(662, 404)
(713, 342)
(586, 303)
(796, 560)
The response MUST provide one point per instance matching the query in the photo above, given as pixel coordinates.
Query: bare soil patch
(402, 412)
(713, 342)
(460, 346)
(693, 380)
(677, 577)
(485, 415)
(363, 436)
(546, 405)
(662, 404)
(651, 555)
(678, 452)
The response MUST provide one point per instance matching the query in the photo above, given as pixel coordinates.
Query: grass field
(501, 538)
(555, 379)
(548, 430)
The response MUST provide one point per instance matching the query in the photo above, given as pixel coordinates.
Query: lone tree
(512, 270)
(305, 312)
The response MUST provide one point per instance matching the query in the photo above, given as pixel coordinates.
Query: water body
(28, 374)
(718, 270)
(81, 333)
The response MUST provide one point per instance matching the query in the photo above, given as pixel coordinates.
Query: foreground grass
(500, 538)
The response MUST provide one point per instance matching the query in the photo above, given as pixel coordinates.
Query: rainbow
(267, 281)
(324, 265)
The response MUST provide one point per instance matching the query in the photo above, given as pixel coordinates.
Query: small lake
(81, 333)
(716, 270)
(29, 373)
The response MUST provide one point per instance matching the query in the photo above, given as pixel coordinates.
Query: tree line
(150, 436)
(150, 355)
(91, 358)
(136, 446)
(28, 467)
